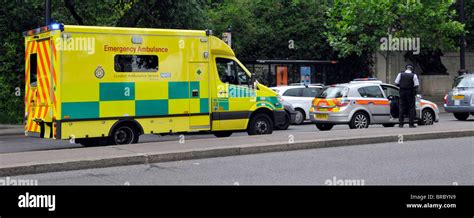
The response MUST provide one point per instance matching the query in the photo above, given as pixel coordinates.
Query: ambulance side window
(135, 63)
(230, 72)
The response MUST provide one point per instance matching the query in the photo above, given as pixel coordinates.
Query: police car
(363, 102)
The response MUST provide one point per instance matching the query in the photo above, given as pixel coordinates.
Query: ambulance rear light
(51, 27)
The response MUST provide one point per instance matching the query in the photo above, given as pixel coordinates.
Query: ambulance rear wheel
(123, 135)
(221, 134)
(260, 124)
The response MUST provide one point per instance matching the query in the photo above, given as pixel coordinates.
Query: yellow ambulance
(109, 85)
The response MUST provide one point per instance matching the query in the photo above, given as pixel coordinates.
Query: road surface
(429, 162)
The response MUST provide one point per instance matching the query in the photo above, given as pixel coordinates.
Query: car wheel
(461, 116)
(123, 135)
(324, 126)
(221, 134)
(427, 118)
(360, 120)
(299, 118)
(388, 124)
(286, 124)
(260, 124)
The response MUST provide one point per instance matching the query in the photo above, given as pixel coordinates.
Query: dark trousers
(407, 105)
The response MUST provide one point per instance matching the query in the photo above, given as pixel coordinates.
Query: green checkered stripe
(271, 102)
(126, 92)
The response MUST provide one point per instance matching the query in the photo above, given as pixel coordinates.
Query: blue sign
(305, 75)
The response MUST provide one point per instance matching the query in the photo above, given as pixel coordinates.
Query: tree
(263, 29)
(356, 27)
(21, 15)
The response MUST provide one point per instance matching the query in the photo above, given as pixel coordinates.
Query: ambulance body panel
(85, 82)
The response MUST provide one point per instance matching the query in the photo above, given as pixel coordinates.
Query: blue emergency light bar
(51, 27)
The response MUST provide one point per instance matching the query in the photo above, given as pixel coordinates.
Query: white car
(300, 97)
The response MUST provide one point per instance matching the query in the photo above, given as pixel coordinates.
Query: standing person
(408, 82)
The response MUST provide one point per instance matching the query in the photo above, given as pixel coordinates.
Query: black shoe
(412, 126)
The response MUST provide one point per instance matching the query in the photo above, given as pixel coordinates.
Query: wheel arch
(129, 122)
(264, 110)
(304, 112)
(435, 116)
(362, 110)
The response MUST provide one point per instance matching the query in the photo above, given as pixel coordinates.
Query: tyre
(388, 124)
(300, 116)
(360, 120)
(286, 124)
(324, 126)
(427, 118)
(221, 134)
(260, 124)
(123, 135)
(461, 116)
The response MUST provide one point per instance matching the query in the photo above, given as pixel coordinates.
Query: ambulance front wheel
(260, 124)
(123, 135)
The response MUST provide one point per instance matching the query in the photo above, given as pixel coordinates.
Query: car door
(393, 94)
(233, 96)
(376, 103)
(292, 96)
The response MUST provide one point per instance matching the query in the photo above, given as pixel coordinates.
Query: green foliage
(261, 29)
(14, 18)
(357, 26)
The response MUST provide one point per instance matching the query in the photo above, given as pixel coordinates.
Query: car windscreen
(464, 82)
(334, 92)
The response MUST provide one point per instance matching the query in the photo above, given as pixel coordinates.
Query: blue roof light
(55, 26)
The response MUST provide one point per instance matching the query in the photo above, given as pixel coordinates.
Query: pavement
(31, 162)
(425, 162)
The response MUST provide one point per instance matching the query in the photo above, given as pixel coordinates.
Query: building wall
(433, 87)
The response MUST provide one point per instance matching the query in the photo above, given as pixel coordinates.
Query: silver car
(460, 100)
(362, 103)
